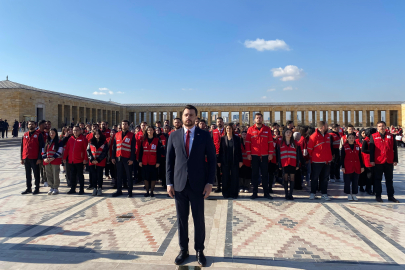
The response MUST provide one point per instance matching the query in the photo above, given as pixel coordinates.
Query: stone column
(335, 117)
(388, 117)
(324, 115)
(303, 118)
(230, 117)
(318, 116)
(377, 117)
(293, 117)
(313, 117)
(364, 121)
(250, 118)
(240, 118)
(147, 118)
(209, 118)
(283, 117)
(352, 118)
(357, 114)
(346, 114)
(273, 116)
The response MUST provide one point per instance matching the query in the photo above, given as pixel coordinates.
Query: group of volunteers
(294, 157)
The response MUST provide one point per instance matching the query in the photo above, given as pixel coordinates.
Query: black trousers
(2, 133)
(219, 176)
(335, 165)
(388, 171)
(162, 171)
(260, 163)
(96, 176)
(319, 171)
(273, 173)
(230, 181)
(124, 171)
(76, 172)
(353, 179)
(31, 164)
(183, 200)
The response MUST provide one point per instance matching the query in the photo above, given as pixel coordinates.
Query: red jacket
(76, 149)
(319, 148)
(384, 148)
(216, 136)
(31, 145)
(246, 162)
(106, 133)
(366, 157)
(336, 140)
(352, 160)
(259, 142)
(302, 143)
(139, 140)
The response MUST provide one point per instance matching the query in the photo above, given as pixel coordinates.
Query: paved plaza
(84, 232)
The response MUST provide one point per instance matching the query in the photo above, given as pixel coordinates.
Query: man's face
(197, 121)
(94, 128)
(143, 126)
(259, 119)
(76, 131)
(124, 126)
(189, 117)
(158, 125)
(177, 123)
(81, 126)
(103, 126)
(48, 125)
(381, 128)
(202, 125)
(31, 125)
(291, 126)
(42, 127)
(220, 123)
(166, 129)
(350, 130)
(323, 128)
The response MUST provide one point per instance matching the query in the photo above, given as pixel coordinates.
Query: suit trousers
(319, 171)
(230, 181)
(260, 164)
(388, 171)
(124, 171)
(31, 164)
(183, 200)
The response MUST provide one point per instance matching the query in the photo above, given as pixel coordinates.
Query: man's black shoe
(378, 199)
(81, 192)
(27, 191)
(183, 255)
(36, 191)
(254, 196)
(268, 196)
(72, 191)
(116, 194)
(129, 195)
(89, 188)
(392, 199)
(201, 258)
(218, 190)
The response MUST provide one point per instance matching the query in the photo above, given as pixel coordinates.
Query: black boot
(286, 189)
(290, 195)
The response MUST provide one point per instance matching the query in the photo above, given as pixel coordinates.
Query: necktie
(188, 143)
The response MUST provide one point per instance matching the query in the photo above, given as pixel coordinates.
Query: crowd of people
(247, 157)
(5, 126)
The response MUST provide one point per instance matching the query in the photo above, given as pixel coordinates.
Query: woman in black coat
(230, 160)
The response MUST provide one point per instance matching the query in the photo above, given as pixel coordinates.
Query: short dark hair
(350, 125)
(381, 122)
(335, 125)
(158, 122)
(177, 119)
(190, 107)
(256, 114)
(123, 121)
(41, 122)
(320, 124)
(290, 122)
(202, 121)
(220, 118)
(144, 123)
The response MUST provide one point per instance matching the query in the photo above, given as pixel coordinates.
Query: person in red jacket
(106, 131)
(335, 164)
(177, 123)
(368, 174)
(216, 135)
(352, 166)
(77, 156)
(162, 168)
(320, 147)
(97, 152)
(260, 149)
(31, 145)
(123, 156)
(245, 172)
(383, 157)
(52, 156)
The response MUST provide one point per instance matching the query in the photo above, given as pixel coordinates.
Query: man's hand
(297, 168)
(219, 165)
(140, 164)
(22, 162)
(249, 157)
(240, 164)
(130, 162)
(64, 161)
(157, 165)
(113, 161)
(395, 163)
(39, 161)
(170, 189)
(207, 190)
(372, 164)
(362, 169)
(94, 162)
(343, 170)
(270, 157)
(85, 161)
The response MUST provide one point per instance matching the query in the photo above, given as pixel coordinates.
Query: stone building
(24, 102)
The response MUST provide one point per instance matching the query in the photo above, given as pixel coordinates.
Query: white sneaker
(355, 198)
(332, 180)
(312, 196)
(246, 191)
(325, 197)
(55, 191)
(46, 184)
(349, 197)
(240, 190)
(50, 191)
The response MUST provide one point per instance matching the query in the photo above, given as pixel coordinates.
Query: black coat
(237, 151)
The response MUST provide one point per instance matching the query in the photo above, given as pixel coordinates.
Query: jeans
(260, 163)
(319, 171)
(388, 171)
(351, 178)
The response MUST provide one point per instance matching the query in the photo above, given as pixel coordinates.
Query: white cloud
(271, 89)
(119, 92)
(98, 93)
(103, 89)
(266, 45)
(264, 97)
(289, 73)
(111, 92)
(288, 88)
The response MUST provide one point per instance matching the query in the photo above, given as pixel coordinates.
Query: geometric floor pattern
(72, 231)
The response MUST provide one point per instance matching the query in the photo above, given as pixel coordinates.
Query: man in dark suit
(190, 179)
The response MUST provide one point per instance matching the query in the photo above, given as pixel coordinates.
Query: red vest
(288, 155)
(216, 136)
(149, 152)
(96, 153)
(246, 162)
(336, 140)
(366, 157)
(352, 161)
(50, 152)
(31, 145)
(139, 139)
(384, 148)
(124, 144)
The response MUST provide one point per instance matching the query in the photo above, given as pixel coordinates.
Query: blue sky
(207, 51)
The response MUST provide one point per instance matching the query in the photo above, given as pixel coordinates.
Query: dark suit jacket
(223, 151)
(179, 167)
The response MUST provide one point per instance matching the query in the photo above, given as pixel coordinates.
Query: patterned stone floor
(82, 232)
